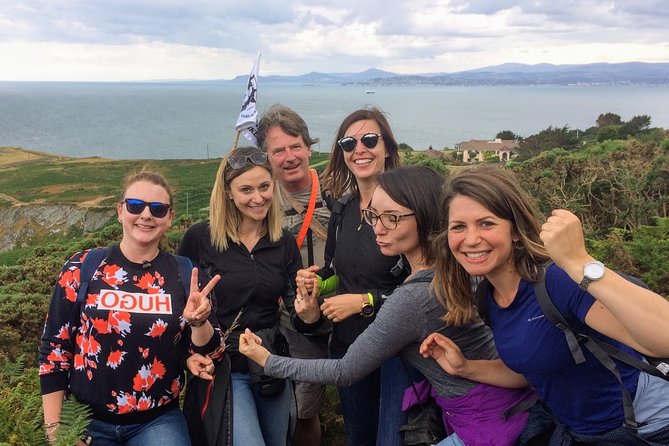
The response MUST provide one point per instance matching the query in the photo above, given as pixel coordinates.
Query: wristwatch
(367, 309)
(592, 271)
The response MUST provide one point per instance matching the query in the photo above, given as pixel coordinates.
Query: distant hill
(629, 73)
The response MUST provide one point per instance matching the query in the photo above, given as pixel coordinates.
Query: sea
(196, 120)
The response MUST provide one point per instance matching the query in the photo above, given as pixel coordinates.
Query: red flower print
(120, 322)
(89, 346)
(126, 403)
(157, 329)
(92, 300)
(67, 281)
(149, 283)
(144, 379)
(78, 362)
(101, 325)
(144, 403)
(64, 332)
(158, 369)
(45, 369)
(113, 275)
(175, 388)
(57, 355)
(115, 358)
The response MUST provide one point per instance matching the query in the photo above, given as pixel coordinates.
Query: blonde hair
(499, 191)
(224, 217)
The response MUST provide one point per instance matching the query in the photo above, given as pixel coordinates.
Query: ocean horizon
(195, 120)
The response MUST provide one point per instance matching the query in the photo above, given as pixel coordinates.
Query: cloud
(154, 39)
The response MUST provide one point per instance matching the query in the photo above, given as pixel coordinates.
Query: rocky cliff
(20, 223)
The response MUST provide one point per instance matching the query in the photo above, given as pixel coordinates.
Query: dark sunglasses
(388, 220)
(136, 206)
(255, 158)
(369, 140)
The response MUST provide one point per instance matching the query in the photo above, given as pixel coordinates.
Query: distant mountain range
(630, 73)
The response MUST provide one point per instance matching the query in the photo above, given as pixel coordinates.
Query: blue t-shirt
(585, 397)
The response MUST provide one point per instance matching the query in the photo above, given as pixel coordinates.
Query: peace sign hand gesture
(198, 305)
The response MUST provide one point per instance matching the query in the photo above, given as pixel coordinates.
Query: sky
(116, 40)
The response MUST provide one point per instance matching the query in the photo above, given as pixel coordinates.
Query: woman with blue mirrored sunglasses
(127, 369)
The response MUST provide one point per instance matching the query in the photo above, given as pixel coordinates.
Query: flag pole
(234, 144)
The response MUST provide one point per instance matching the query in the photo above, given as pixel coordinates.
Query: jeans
(451, 440)
(169, 429)
(394, 380)
(256, 420)
(378, 396)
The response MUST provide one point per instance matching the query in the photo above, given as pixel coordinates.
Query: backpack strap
(553, 315)
(336, 218)
(593, 345)
(185, 267)
(91, 263)
(481, 300)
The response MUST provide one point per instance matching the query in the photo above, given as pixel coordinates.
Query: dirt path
(10, 199)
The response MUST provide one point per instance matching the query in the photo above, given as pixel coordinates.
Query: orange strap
(310, 209)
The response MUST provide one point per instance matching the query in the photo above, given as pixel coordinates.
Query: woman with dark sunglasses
(404, 213)
(120, 347)
(364, 147)
(243, 241)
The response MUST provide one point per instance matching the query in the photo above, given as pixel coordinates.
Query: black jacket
(250, 281)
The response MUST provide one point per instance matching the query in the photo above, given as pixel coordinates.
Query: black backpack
(601, 350)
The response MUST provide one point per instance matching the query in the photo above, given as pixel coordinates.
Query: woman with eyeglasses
(119, 345)
(243, 242)
(358, 274)
(404, 212)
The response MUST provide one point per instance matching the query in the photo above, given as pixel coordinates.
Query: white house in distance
(477, 149)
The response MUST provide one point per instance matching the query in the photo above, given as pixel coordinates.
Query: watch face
(594, 270)
(367, 310)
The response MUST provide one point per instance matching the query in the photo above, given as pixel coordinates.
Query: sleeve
(190, 247)
(56, 350)
(572, 302)
(380, 341)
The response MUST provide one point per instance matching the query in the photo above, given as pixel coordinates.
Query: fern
(74, 419)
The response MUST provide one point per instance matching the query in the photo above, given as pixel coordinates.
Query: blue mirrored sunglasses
(136, 206)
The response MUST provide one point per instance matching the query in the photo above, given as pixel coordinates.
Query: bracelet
(197, 324)
(54, 427)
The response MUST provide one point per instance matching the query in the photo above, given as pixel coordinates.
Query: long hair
(224, 217)
(337, 178)
(499, 191)
(288, 120)
(420, 189)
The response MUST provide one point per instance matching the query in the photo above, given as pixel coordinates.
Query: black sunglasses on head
(255, 158)
(369, 140)
(136, 206)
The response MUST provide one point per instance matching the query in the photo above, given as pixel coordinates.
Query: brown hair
(288, 120)
(499, 191)
(149, 177)
(337, 178)
(224, 217)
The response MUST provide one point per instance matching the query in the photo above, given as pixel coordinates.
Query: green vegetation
(618, 187)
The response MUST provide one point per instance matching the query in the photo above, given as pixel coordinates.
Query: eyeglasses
(388, 220)
(369, 140)
(136, 206)
(255, 158)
